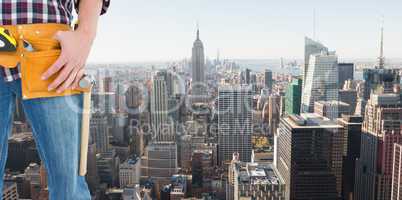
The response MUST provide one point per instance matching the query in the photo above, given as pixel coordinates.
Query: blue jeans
(56, 125)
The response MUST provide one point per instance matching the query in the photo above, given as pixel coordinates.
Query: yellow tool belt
(34, 64)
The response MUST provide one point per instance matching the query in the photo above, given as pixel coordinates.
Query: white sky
(155, 30)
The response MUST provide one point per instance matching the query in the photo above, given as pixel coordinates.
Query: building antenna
(198, 30)
(314, 25)
(381, 59)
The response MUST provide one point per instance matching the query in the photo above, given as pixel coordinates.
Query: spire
(314, 25)
(381, 59)
(198, 31)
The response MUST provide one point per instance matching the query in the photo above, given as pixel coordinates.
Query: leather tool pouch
(33, 64)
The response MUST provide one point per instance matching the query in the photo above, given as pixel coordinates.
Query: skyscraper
(310, 47)
(134, 99)
(159, 110)
(268, 79)
(108, 84)
(169, 81)
(234, 105)
(21, 151)
(353, 129)
(118, 129)
(99, 132)
(293, 97)
(349, 96)
(274, 113)
(382, 127)
(380, 78)
(309, 157)
(198, 67)
(160, 158)
(92, 175)
(345, 72)
(245, 76)
(321, 83)
(119, 100)
(108, 167)
(159, 162)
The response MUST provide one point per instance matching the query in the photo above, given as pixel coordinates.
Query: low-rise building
(250, 180)
(129, 172)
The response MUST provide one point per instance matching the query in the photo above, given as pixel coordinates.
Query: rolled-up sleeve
(105, 6)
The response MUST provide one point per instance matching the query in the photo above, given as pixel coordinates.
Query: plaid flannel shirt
(14, 12)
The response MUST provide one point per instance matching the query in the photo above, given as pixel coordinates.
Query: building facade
(332, 109)
(268, 79)
(99, 131)
(381, 129)
(345, 72)
(161, 125)
(349, 96)
(274, 113)
(293, 97)
(159, 161)
(396, 190)
(130, 172)
(352, 125)
(234, 105)
(379, 79)
(321, 83)
(309, 157)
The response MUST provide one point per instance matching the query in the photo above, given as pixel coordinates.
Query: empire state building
(198, 67)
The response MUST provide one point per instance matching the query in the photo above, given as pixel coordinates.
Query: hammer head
(86, 83)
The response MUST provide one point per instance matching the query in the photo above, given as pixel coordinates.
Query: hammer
(85, 85)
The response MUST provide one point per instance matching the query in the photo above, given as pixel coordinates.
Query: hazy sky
(163, 30)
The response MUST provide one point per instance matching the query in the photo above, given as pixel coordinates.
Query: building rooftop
(351, 119)
(310, 120)
(161, 146)
(256, 174)
(234, 88)
(332, 103)
(133, 160)
(386, 99)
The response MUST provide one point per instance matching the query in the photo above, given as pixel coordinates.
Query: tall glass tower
(310, 47)
(321, 83)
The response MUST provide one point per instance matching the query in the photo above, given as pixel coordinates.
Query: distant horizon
(388, 60)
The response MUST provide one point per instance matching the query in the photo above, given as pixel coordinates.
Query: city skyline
(282, 111)
(244, 30)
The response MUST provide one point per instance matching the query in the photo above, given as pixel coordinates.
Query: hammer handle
(85, 133)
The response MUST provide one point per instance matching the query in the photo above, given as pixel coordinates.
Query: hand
(75, 48)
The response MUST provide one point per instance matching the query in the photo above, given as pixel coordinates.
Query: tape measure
(7, 42)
